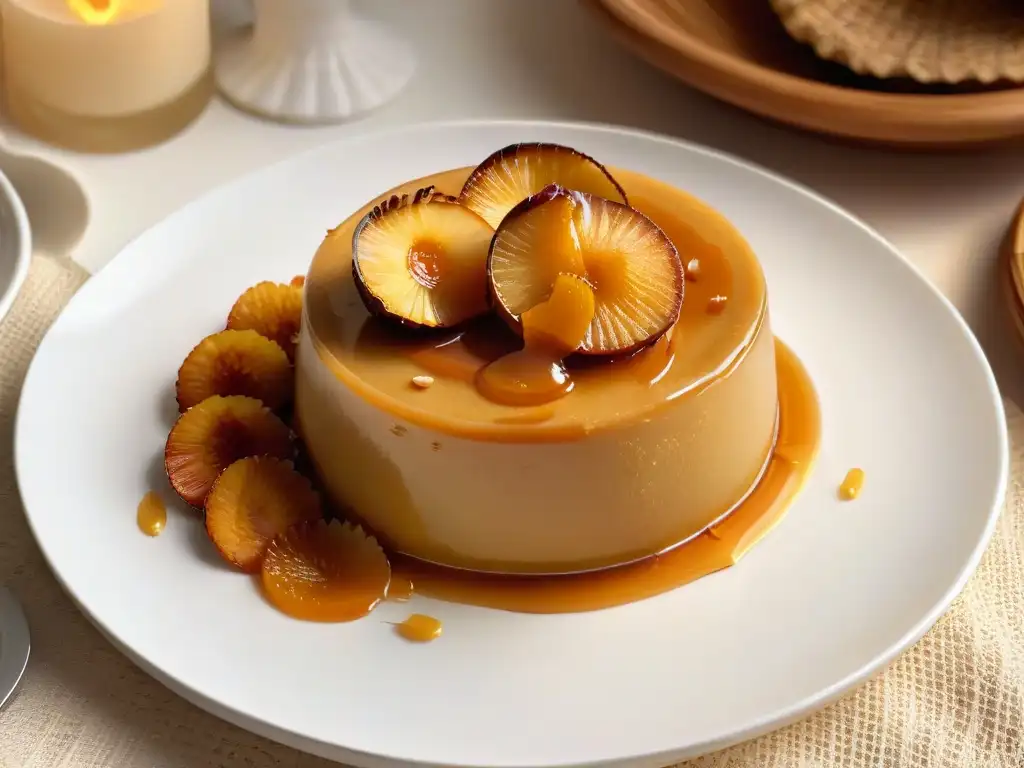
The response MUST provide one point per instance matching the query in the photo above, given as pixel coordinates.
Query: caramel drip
(151, 515)
(851, 485)
(419, 628)
(526, 378)
(536, 374)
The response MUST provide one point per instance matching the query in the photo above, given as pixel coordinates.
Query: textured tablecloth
(955, 699)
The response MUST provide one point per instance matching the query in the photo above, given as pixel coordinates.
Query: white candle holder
(312, 61)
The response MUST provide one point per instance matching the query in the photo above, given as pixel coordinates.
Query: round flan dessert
(536, 366)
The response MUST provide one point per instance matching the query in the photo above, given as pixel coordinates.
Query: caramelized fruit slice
(214, 434)
(629, 262)
(251, 502)
(518, 171)
(325, 572)
(423, 261)
(235, 363)
(560, 324)
(271, 309)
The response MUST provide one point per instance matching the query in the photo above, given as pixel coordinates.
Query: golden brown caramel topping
(551, 330)
(561, 323)
(380, 361)
(152, 514)
(419, 628)
(851, 485)
(524, 378)
(426, 262)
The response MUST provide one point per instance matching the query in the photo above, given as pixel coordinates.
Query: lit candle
(106, 74)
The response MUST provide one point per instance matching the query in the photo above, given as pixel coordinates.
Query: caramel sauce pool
(419, 628)
(851, 485)
(717, 548)
(151, 515)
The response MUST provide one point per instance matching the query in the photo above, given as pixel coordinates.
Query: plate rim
(732, 736)
(22, 229)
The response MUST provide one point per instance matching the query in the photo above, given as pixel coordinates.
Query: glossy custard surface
(643, 454)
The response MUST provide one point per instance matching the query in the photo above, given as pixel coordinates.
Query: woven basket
(930, 41)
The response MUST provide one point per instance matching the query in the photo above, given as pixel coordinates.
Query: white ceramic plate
(15, 244)
(831, 596)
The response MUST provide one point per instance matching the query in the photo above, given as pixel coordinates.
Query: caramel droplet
(419, 628)
(716, 304)
(151, 515)
(852, 484)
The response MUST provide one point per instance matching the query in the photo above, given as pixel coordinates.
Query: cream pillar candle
(106, 75)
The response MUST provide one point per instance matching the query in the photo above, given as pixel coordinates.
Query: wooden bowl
(1012, 277)
(739, 52)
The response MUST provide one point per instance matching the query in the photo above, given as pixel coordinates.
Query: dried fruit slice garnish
(325, 572)
(422, 261)
(236, 363)
(271, 309)
(251, 502)
(214, 434)
(518, 171)
(628, 261)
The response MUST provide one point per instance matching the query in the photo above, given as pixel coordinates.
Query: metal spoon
(14, 645)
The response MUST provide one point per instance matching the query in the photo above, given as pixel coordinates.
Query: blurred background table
(544, 59)
(550, 59)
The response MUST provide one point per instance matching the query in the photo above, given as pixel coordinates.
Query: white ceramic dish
(831, 596)
(15, 244)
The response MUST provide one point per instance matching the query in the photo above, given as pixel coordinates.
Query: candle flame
(95, 11)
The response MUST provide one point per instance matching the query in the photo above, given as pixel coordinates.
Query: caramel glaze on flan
(644, 454)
